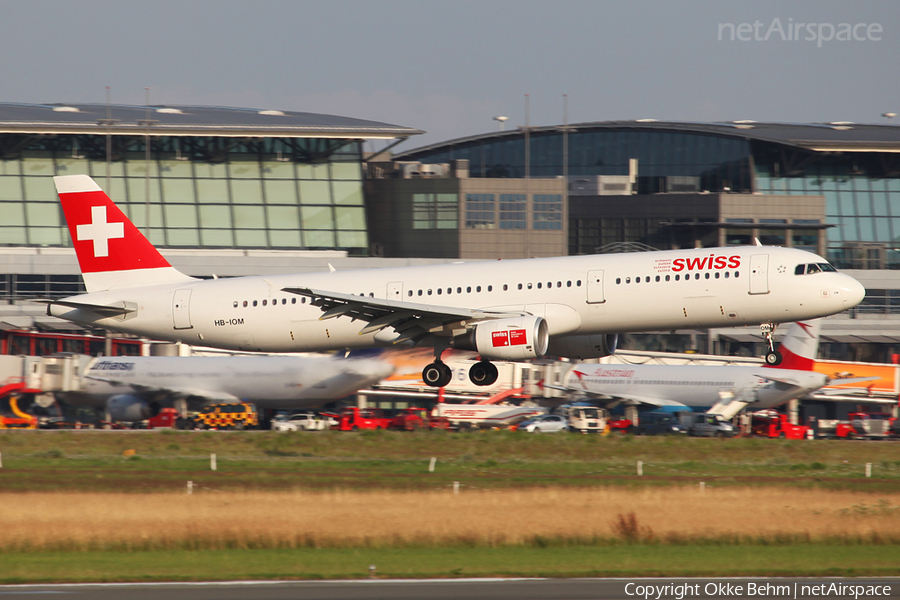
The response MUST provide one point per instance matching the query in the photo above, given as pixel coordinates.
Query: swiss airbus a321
(572, 306)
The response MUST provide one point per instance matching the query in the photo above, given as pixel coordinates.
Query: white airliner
(134, 388)
(570, 306)
(723, 390)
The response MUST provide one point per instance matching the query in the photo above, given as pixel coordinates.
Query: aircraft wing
(612, 400)
(410, 320)
(784, 380)
(175, 391)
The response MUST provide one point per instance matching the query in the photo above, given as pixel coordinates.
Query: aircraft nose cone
(853, 293)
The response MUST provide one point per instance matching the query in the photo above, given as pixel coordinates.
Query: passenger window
(706, 275)
(717, 274)
(727, 274)
(459, 290)
(578, 283)
(696, 275)
(420, 292)
(255, 302)
(490, 288)
(449, 290)
(520, 286)
(235, 303)
(440, 291)
(505, 287)
(667, 277)
(477, 288)
(409, 293)
(569, 283)
(529, 286)
(559, 284)
(294, 300)
(678, 278)
(245, 304)
(539, 285)
(737, 273)
(469, 289)
(429, 292)
(264, 302)
(628, 280)
(618, 280)
(284, 301)
(657, 278)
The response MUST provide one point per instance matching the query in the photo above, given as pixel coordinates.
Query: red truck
(413, 418)
(773, 424)
(866, 426)
(353, 419)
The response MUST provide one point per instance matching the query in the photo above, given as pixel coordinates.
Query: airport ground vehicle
(659, 423)
(167, 417)
(226, 416)
(862, 425)
(583, 417)
(772, 424)
(544, 424)
(414, 418)
(706, 425)
(353, 419)
(18, 419)
(303, 422)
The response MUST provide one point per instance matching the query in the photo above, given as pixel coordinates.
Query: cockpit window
(813, 268)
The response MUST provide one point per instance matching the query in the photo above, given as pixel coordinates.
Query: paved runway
(476, 589)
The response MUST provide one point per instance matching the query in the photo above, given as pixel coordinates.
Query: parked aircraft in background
(724, 390)
(572, 306)
(134, 388)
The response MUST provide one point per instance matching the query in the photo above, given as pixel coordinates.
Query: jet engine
(514, 338)
(130, 408)
(583, 347)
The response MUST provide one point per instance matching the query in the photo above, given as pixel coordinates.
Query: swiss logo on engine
(514, 337)
(500, 338)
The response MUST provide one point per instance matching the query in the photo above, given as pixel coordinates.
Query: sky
(450, 67)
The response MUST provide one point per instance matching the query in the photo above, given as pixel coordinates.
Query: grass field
(98, 505)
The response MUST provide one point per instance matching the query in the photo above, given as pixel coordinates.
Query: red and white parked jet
(570, 306)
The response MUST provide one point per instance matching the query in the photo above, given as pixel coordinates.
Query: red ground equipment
(413, 418)
(773, 424)
(353, 418)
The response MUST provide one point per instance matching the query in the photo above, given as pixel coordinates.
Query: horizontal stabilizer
(101, 309)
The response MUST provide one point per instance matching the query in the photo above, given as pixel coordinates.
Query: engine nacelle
(583, 347)
(515, 338)
(130, 408)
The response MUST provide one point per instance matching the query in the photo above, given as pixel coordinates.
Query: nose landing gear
(773, 356)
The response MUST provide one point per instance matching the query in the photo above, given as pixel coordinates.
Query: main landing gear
(437, 374)
(773, 356)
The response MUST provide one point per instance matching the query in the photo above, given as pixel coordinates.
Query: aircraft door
(595, 287)
(181, 309)
(759, 274)
(395, 290)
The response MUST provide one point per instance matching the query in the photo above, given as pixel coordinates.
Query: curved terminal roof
(166, 120)
(838, 136)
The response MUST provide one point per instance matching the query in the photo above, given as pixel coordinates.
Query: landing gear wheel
(437, 374)
(774, 358)
(483, 373)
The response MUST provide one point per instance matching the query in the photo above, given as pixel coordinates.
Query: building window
(480, 211)
(513, 211)
(435, 211)
(547, 211)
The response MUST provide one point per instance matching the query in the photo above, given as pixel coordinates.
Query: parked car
(303, 422)
(706, 425)
(659, 423)
(544, 424)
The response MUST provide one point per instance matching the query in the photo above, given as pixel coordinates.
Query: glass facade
(280, 194)
(716, 162)
(861, 203)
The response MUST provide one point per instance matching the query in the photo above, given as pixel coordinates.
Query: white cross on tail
(99, 231)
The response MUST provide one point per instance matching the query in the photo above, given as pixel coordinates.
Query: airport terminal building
(227, 191)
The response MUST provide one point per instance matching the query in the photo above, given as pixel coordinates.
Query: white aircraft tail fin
(800, 346)
(111, 252)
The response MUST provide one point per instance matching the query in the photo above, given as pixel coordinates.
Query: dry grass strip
(90, 521)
